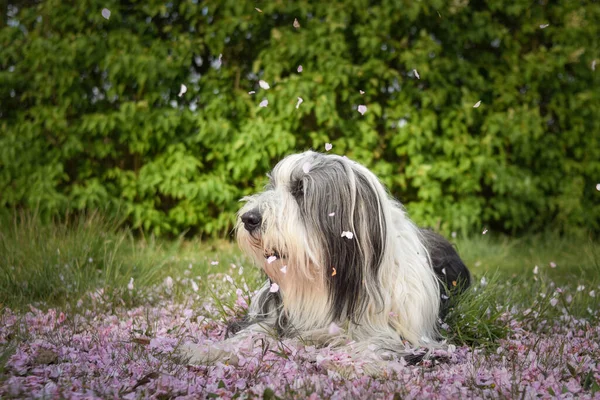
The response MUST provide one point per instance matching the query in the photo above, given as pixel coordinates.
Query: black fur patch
(328, 189)
(448, 266)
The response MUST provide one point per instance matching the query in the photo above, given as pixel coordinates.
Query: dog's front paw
(194, 354)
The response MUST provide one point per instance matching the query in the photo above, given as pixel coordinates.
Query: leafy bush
(90, 114)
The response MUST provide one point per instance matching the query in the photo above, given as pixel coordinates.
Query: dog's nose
(251, 220)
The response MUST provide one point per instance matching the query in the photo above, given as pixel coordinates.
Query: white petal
(299, 102)
(306, 167)
(274, 288)
(593, 69)
(169, 282)
(362, 109)
(264, 103)
(182, 90)
(264, 85)
(331, 214)
(554, 301)
(271, 259)
(416, 74)
(552, 264)
(334, 329)
(543, 26)
(477, 104)
(283, 269)
(535, 269)
(598, 187)
(296, 23)
(258, 9)
(214, 263)
(299, 68)
(130, 284)
(194, 286)
(328, 146)
(485, 231)
(106, 13)
(347, 234)
(361, 92)
(251, 92)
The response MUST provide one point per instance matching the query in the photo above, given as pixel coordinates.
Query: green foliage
(90, 114)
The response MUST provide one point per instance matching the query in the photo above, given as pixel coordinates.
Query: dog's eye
(297, 188)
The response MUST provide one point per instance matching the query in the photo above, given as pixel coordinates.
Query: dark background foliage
(90, 115)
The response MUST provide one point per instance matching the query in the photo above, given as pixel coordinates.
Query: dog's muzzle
(252, 220)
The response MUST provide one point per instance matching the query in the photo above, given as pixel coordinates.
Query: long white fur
(403, 300)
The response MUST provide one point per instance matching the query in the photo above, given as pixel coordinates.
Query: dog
(345, 264)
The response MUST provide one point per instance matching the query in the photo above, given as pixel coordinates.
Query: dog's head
(320, 225)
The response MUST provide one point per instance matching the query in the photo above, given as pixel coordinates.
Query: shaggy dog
(345, 265)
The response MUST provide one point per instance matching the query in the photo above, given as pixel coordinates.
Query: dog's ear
(340, 196)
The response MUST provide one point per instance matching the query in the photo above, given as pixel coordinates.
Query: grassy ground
(86, 263)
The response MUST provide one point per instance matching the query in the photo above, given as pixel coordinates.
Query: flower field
(102, 350)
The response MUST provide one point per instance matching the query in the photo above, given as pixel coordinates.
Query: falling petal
(299, 102)
(543, 26)
(536, 269)
(552, 264)
(274, 288)
(485, 231)
(361, 92)
(182, 90)
(594, 68)
(130, 284)
(328, 146)
(331, 214)
(362, 109)
(213, 263)
(334, 273)
(416, 74)
(264, 103)
(347, 234)
(284, 269)
(306, 167)
(299, 68)
(598, 187)
(483, 281)
(444, 271)
(477, 104)
(444, 297)
(453, 234)
(592, 293)
(258, 9)
(106, 13)
(264, 85)
(296, 23)
(271, 259)
(251, 92)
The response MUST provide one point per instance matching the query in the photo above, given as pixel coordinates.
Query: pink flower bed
(128, 354)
